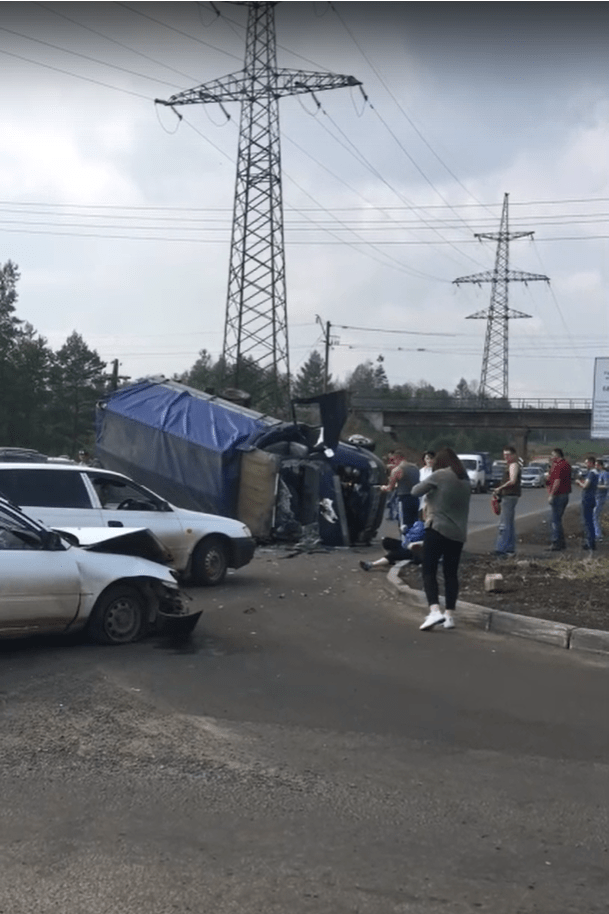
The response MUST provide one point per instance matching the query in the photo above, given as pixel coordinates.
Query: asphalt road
(530, 504)
(307, 750)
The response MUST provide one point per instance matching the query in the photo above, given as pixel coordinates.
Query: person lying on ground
(408, 549)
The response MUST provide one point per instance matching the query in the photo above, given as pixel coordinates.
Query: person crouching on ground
(399, 550)
(448, 492)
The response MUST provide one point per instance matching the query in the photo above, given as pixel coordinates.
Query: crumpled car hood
(134, 541)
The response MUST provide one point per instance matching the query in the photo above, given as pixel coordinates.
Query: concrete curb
(503, 623)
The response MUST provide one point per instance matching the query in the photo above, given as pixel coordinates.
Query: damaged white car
(48, 585)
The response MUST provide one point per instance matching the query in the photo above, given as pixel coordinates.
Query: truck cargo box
(286, 480)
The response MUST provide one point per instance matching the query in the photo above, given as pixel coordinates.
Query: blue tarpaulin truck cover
(208, 454)
(178, 441)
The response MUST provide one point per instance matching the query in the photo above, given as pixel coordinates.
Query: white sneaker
(434, 617)
(449, 621)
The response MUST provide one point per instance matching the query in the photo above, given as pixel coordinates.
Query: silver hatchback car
(48, 585)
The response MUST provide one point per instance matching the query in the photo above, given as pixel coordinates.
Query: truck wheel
(118, 616)
(210, 561)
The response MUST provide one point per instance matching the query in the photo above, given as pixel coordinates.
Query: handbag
(496, 503)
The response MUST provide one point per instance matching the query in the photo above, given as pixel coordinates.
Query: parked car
(533, 477)
(49, 585)
(202, 546)
(497, 473)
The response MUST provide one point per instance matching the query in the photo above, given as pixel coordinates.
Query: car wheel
(210, 561)
(118, 616)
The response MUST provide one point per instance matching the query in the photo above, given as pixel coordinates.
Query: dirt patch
(570, 586)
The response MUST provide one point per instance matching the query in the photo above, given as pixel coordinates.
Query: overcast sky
(119, 216)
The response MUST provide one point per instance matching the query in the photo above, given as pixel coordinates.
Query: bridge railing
(551, 403)
(431, 403)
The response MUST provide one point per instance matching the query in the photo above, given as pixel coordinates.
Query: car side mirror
(53, 542)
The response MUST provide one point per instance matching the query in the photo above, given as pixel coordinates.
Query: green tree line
(47, 397)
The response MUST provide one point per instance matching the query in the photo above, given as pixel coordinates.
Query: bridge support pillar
(521, 443)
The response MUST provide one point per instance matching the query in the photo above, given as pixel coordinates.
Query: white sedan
(532, 477)
(48, 585)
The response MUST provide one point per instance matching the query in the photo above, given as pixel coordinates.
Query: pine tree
(78, 380)
(367, 380)
(32, 359)
(381, 381)
(9, 330)
(309, 382)
(203, 375)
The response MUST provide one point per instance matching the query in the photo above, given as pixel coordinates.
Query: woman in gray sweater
(448, 492)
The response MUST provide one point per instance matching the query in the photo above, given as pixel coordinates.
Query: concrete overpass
(517, 417)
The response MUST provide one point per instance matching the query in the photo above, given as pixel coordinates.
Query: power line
(115, 41)
(81, 56)
(403, 111)
(177, 31)
(88, 79)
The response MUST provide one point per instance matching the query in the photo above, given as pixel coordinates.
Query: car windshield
(114, 492)
(468, 463)
(16, 532)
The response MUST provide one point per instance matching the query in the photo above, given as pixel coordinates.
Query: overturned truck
(288, 481)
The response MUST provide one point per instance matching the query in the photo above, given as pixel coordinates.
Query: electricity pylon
(256, 327)
(494, 377)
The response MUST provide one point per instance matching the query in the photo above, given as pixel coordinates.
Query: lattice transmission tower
(494, 376)
(255, 351)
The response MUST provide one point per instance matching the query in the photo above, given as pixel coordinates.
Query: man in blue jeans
(509, 493)
(602, 490)
(559, 489)
(588, 485)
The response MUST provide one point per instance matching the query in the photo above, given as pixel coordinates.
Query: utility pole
(494, 376)
(114, 377)
(327, 342)
(256, 326)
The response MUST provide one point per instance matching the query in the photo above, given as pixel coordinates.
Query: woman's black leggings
(438, 547)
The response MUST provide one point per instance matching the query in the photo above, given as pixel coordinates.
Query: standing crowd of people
(431, 503)
(594, 485)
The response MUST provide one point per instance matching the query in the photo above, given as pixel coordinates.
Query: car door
(124, 503)
(39, 586)
(55, 496)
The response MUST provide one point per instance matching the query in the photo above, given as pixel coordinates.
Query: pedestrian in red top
(559, 489)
